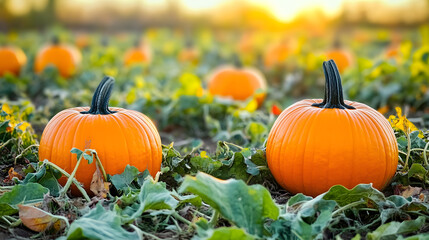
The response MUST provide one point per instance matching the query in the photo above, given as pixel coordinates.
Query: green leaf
(77, 151)
(123, 181)
(21, 194)
(226, 233)
(344, 196)
(152, 196)
(47, 177)
(245, 206)
(393, 229)
(100, 224)
(4, 125)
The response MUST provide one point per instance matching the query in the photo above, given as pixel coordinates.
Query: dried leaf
(407, 191)
(98, 186)
(12, 174)
(39, 220)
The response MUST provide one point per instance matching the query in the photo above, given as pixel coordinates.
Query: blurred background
(380, 46)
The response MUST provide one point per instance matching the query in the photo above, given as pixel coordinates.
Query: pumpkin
(316, 144)
(65, 58)
(342, 57)
(11, 60)
(189, 53)
(237, 83)
(277, 54)
(119, 136)
(139, 54)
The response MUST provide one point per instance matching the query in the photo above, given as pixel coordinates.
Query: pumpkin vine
(333, 89)
(100, 100)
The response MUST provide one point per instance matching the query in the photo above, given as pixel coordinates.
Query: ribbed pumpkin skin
(65, 58)
(137, 55)
(11, 60)
(238, 84)
(311, 149)
(343, 58)
(122, 138)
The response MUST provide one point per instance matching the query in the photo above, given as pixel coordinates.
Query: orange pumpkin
(316, 144)
(237, 83)
(277, 54)
(342, 57)
(11, 60)
(119, 136)
(139, 54)
(189, 53)
(65, 58)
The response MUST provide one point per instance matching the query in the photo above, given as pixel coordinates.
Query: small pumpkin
(189, 53)
(119, 136)
(277, 54)
(237, 83)
(139, 54)
(316, 144)
(12, 59)
(342, 57)
(65, 58)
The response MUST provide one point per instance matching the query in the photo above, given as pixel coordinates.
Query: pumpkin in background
(82, 41)
(277, 54)
(342, 57)
(65, 58)
(189, 53)
(11, 60)
(237, 83)
(139, 54)
(119, 136)
(316, 144)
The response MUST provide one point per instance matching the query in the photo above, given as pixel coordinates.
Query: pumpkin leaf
(100, 223)
(392, 230)
(245, 206)
(47, 177)
(130, 178)
(225, 233)
(21, 194)
(344, 196)
(152, 196)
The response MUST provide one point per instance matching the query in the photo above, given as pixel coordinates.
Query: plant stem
(350, 205)
(76, 183)
(100, 165)
(424, 154)
(176, 215)
(70, 179)
(25, 150)
(234, 145)
(143, 232)
(6, 143)
(215, 217)
(408, 150)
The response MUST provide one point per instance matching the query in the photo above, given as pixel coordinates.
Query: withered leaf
(40, 221)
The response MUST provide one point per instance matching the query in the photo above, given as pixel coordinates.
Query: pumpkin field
(202, 132)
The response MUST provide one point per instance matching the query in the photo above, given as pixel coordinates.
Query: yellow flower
(402, 123)
(203, 154)
(5, 107)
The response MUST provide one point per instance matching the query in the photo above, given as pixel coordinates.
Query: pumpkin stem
(237, 61)
(100, 100)
(333, 89)
(55, 40)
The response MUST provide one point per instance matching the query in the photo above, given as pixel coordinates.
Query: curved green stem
(350, 205)
(100, 100)
(215, 217)
(25, 150)
(333, 89)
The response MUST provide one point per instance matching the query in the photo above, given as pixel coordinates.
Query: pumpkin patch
(214, 120)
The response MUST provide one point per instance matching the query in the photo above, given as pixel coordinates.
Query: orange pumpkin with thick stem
(119, 136)
(237, 83)
(65, 58)
(11, 60)
(316, 144)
